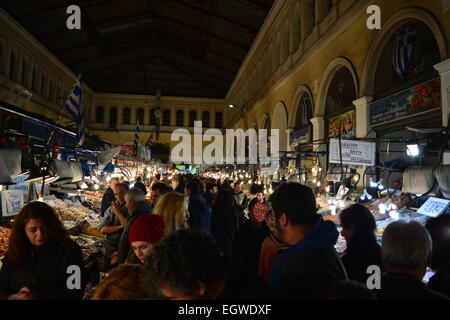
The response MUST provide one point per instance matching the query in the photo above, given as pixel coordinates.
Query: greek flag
(403, 50)
(136, 139)
(75, 106)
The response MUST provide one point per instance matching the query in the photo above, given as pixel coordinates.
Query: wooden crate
(92, 232)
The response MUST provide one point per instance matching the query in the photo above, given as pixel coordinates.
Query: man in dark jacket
(200, 211)
(406, 251)
(136, 205)
(206, 271)
(310, 267)
(108, 196)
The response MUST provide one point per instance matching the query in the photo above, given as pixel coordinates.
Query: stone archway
(329, 73)
(382, 38)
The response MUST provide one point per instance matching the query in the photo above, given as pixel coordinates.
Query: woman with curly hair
(36, 266)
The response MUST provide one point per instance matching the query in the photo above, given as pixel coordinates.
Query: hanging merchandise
(10, 164)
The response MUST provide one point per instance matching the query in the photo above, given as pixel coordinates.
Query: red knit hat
(148, 228)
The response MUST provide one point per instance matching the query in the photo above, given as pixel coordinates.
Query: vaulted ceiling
(190, 48)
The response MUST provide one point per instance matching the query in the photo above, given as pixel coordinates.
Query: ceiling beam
(143, 32)
(228, 81)
(140, 48)
(259, 4)
(50, 9)
(150, 12)
(191, 75)
(117, 76)
(220, 17)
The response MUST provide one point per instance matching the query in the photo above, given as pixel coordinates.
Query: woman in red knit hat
(144, 233)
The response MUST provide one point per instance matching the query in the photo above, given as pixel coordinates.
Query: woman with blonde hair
(172, 207)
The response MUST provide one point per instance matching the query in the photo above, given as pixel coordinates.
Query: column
(318, 131)
(120, 116)
(362, 116)
(362, 127)
(444, 71)
(146, 116)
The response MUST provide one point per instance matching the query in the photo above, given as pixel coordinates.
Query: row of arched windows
(165, 119)
(21, 69)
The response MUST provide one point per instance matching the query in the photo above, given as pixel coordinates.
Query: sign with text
(12, 202)
(353, 152)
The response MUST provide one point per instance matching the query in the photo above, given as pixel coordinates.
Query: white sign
(434, 207)
(12, 202)
(353, 152)
(25, 187)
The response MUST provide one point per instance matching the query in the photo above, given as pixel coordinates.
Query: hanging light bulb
(394, 214)
(327, 189)
(318, 184)
(382, 208)
(372, 183)
(314, 180)
(380, 185)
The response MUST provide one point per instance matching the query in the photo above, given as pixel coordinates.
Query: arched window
(401, 67)
(303, 116)
(205, 119)
(34, 79)
(180, 118)
(166, 118)
(14, 65)
(113, 118)
(24, 71)
(126, 115)
(99, 115)
(140, 116)
(153, 117)
(339, 109)
(192, 118)
(43, 84)
(219, 119)
(50, 90)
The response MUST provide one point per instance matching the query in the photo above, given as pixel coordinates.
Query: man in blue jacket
(310, 267)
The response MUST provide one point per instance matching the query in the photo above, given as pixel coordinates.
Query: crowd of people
(199, 238)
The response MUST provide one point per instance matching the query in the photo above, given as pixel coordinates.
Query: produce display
(4, 238)
(398, 200)
(95, 197)
(89, 245)
(68, 210)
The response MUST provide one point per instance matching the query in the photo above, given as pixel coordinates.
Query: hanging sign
(353, 152)
(10, 164)
(421, 98)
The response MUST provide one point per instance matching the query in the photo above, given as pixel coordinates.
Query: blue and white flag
(136, 139)
(75, 106)
(403, 50)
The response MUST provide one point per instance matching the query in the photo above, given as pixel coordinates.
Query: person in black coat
(108, 196)
(42, 262)
(200, 212)
(189, 265)
(439, 229)
(406, 252)
(247, 242)
(358, 229)
(140, 185)
(225, 221)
